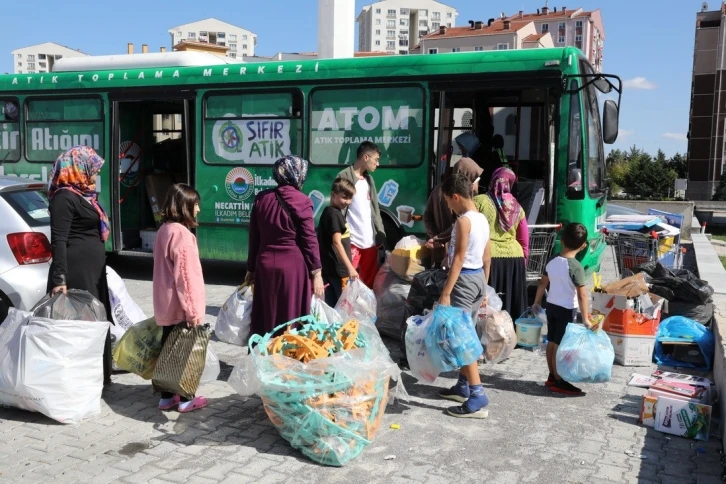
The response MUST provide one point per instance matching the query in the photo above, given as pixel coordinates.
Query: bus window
(9, 130)
(254, 128)
(574, 150)
(342, 118)
(595, 155)
(55, 125)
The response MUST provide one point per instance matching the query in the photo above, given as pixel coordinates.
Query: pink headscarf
(500, 191)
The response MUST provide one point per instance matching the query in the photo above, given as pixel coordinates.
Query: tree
(648, 178)
(679, 163)
(720, 194)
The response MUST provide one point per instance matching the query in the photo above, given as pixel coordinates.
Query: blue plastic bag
(678, 329)
(585, 356)
(451, 339)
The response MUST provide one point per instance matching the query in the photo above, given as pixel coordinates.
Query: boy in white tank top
(465, 286)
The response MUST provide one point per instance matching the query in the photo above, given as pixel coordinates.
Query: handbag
(181, 362)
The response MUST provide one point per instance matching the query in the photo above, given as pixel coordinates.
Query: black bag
(675, 285)
(426, 289)
(76, 305)
(703, 313)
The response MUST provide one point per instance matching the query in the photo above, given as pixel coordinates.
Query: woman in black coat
(79, 229)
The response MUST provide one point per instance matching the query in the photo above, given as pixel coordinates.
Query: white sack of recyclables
(53, 367)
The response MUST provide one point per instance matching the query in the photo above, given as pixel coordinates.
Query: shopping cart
(631, 250)
(541, 243)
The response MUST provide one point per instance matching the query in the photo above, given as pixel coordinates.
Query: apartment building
(570, 27)
(40, 57)
(706, 126)
(239, 42)
(395, 26)
(479, 36)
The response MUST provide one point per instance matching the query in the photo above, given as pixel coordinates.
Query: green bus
(220, 127)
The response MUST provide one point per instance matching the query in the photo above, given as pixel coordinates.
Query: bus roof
(462, 63)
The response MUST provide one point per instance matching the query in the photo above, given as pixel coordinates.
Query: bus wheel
(394, 231)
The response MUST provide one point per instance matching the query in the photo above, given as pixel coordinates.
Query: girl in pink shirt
(178, 281)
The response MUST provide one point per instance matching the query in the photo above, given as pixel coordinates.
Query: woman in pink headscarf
(509, 237)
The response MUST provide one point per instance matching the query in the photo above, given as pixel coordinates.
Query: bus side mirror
(574, 183)
(610, 122)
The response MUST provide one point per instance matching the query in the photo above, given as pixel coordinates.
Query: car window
(31, 205)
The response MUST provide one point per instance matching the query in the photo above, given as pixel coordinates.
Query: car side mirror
(610, 122)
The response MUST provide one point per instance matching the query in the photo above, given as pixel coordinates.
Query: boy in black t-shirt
(334, 241)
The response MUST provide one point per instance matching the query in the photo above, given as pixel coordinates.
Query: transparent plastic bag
(451, 339)
(357, 302)
(75, 305)
(409, 242)
(322, 312)
(391, 292)
(497, 334)
(331, 407)
(419, 360)
(494, 302)
(211, 367)
(235, 317)
(585, 356)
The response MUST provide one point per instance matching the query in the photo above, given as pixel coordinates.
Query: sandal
(196, 404)
(172, 402)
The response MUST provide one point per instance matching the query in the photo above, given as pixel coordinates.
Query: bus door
(242, 134)
(152, 139)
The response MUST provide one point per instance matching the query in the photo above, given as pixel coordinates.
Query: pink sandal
(196, 404)
(168, 406)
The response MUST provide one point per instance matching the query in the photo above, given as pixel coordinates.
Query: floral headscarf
(500, 191)
(291, 170)
(73, 171)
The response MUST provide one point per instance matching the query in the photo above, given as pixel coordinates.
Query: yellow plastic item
(139, 348)
(395, 426)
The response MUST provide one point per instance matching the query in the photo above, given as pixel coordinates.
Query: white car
(25, 251)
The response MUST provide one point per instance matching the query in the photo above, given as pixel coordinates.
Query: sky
(648, 43)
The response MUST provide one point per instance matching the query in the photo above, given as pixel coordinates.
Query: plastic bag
(425, 291)
(76, 305)
(211, 367)
(357, 302)
(331, 407)
(124, 311)
(391, 292)
(235, 317)
(451, 340)
(494, 302)
(678, 329)
(497, 334)
(701, 313)
(322, 312)
(139, 348)
(675, 285)
(422, 368)
(181, 362)
(54, 367)
(585, 356)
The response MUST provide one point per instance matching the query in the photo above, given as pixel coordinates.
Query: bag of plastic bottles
(451, 339)
(422, 368)
(585, 356)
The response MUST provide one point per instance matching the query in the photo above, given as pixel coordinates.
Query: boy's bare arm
(487, 260)
(584, 302)
(340, 250)
(463, 227)
(543, 282)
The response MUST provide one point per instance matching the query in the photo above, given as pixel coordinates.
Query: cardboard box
(621, 317)
(406, 263)
(642, 381)
(632, 350)
(685, 352)
(647, 410)
(682, 418)
(681, 391)
(157, 186)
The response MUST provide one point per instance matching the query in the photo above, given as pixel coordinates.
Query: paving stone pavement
(531, 435)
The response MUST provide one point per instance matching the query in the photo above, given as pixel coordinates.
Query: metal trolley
(541, 243)
(631, 250)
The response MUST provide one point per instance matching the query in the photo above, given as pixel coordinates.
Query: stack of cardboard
(631, 318)
(409, 257)
(676, 404)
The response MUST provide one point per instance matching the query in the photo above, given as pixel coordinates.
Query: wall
(711, 270)
(684, 208)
